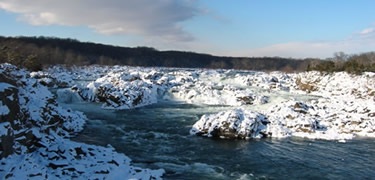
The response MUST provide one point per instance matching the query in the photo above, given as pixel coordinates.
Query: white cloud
(362, 41)
(367, 31)
(156, 18)
(159, 23)
(312, 49)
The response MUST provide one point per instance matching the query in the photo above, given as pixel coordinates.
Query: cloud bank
(362, 41)
(156, 18)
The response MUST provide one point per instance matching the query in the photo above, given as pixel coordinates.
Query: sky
(287, 28)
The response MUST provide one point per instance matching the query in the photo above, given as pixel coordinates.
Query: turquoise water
(157, 136)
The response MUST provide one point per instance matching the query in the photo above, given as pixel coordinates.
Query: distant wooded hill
(35, 51)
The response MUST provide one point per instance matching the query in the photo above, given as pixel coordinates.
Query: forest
(37, 52)
(354, 64)
(34, 53)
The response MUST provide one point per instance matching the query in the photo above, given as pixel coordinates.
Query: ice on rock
(68, 95)
(238, 123)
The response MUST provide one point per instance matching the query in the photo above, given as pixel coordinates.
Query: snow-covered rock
(215, 87)
(32, 110)
(64, 77)
(56, 79)
(292, 118)
(336, 84)
(216, 94)
(321, 119)
(34, 137)
(65, 159)
(127, 88)
(346, 107)
(121, 91)
(274, 80)
(238, 123)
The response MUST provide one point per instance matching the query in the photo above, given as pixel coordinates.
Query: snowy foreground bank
(336, 106)
(35, 132)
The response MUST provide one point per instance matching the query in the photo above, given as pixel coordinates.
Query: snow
(35, 137)
(122, 91)
(65, 159)
(128, 88)
(289, 118)
(62, 77)
(236, 123)
(344, 110)
(216, 94)
(334, 106)
(4, 86)
(341, 106)
(4, 127)
(4, 110)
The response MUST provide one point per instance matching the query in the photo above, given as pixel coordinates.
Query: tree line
(36, 52)
(355, 63)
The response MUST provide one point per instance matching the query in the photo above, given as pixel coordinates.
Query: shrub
(32, 63)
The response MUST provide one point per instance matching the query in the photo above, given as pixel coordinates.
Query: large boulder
(120, 91)
(238, 123)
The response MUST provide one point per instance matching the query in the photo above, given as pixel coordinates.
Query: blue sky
(288, 28)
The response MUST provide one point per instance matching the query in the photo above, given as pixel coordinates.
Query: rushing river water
(157, 136)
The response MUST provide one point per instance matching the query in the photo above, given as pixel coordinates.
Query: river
(157, 136)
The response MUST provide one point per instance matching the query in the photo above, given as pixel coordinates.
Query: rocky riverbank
(35, 132)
